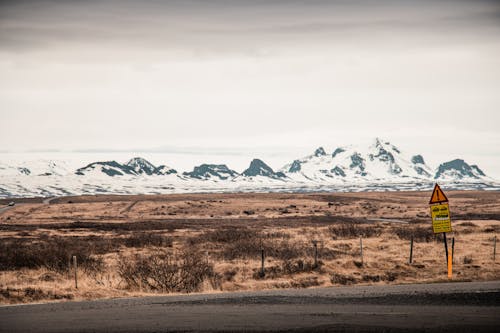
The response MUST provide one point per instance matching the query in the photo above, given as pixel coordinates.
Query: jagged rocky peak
(164, 170)
(458, 169)
(110, 168)
(419, 165)
(141, 166)
(319, 152)
(208, 171)
(384, 152)
(24, 171)
(259, 168)
(417, 159)
(358, 163)
(338, 171)
(477, 171)
(385, 145)
(295, 167)
(337, 151)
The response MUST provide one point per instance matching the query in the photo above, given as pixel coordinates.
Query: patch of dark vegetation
(419, 234)
(468, 224)
(348, 230)
(226, 235)
(144, 239)
(54, 252)
(172, 224)
(491, 228)
(164, 272)
(29, 294)
(288, 267)
(53, 255)
(477, 216)
(337, 278)
(274, 248)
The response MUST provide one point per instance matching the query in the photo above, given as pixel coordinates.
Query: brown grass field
(161, 244)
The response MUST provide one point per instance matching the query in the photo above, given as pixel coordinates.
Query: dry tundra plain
(166, 244)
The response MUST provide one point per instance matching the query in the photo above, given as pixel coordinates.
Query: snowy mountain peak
(110, 168)
(211, 171)
(259, 168)
(163, 170)
(141, 166)
(458, 169)
(417, 159)
(295, 167)
(319, 152)
(337, 151)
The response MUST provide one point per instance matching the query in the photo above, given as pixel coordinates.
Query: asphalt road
(444, 307)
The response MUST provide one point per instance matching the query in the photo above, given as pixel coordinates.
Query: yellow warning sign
(441, 221)
(438, 195)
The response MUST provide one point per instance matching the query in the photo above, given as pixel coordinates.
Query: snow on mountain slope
(42, 167)
(381, 161)
(259, 168)
(141, 166)
(458, 169)
(164, 170)
(211, 172)
(109, 168)
(377, 167)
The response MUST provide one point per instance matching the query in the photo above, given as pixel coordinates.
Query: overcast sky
(252, 76)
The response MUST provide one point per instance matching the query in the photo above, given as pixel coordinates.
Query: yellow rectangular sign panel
(441, 221)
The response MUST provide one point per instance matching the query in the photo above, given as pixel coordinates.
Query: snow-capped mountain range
(380, 166)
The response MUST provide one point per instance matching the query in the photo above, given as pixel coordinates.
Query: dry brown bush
(53, 254)
(161, 271)
(337, 278)
(419, 234)
(277, 249)
(353, 230)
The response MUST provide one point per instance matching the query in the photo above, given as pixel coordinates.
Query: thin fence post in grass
(315, 244)
(494, 247)
(411, 250)
(262, 272)
(75, 267)
(361, 249)
(69, 267)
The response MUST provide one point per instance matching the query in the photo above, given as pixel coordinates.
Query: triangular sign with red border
(438, 195)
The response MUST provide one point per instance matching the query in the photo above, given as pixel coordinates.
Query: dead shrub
(371, 278)
(230, 274)
(353, 230)
(29, 294)
(468, 224)
(227, 235)
(251, 248)
(53, 255)
(419, 234)
(287, 267)
(306, 282)
(143, 239)
(337, 278)
(300, 266)
(161, 271)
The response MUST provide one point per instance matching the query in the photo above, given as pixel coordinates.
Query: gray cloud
(230, 25)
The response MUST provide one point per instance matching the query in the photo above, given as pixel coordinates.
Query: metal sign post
(441, 221)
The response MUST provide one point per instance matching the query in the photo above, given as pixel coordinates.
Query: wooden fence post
(411, 250)
(494, 247)
(75, 266)
(315, 244)
(361, 249)
(262, 272)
